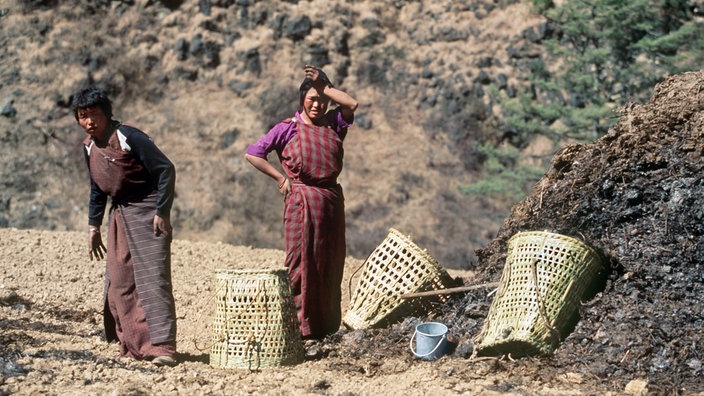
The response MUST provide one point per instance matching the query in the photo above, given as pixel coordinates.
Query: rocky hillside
(207, 78)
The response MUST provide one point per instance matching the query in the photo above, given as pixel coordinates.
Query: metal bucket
(431, 340)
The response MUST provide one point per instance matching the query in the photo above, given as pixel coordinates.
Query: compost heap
(636, 196)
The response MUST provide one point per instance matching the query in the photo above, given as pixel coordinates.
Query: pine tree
(605, 53)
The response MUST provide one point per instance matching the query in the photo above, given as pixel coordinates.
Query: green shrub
(501, 179)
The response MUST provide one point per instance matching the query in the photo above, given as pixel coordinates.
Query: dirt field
(51, 340)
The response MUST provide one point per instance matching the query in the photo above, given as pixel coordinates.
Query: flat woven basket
(255, 323)
(542, 284)
(397, 266)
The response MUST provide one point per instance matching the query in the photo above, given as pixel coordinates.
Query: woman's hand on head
(322, 83)
(317, 75)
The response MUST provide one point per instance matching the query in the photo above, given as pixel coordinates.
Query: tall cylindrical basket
(542, 284)
(255, 323)
(397, 266)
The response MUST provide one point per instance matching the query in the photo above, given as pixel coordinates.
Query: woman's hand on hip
(285, 187)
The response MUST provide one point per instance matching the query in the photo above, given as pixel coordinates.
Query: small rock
(637, 387)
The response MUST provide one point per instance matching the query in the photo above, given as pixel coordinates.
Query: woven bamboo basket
(541, 287)
(255, 323)
(397, 266)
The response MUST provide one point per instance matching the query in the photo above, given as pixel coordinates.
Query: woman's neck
(105, 136)
(306, 119)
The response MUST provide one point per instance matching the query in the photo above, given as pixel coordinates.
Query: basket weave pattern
(397, 266)
(541, 287)
(255, 323)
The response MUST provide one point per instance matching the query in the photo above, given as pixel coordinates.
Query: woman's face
(315, 104)
(93, 121)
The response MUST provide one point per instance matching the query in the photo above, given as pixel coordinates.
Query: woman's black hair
(306, 85)
(90, 97)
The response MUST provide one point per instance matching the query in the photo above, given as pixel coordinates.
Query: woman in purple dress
(309, 146)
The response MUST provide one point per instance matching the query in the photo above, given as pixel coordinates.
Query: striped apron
(314, 227)
(139, 304)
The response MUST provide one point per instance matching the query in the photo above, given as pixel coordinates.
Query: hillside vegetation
(436, 151)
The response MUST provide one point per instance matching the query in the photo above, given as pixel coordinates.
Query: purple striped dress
(314, 217)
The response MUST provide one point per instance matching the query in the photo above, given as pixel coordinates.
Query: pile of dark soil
(637, 196)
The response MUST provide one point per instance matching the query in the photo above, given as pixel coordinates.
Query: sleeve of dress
(338, 122)
(98, 199)
(275, 139)
(160, 168)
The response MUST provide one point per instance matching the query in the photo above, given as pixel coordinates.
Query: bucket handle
(429, 353)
